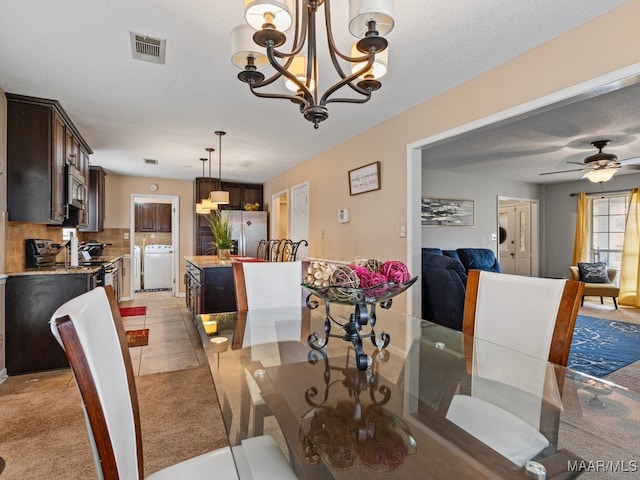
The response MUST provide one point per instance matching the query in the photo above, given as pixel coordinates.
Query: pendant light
(209, 203)
(219, 196)
(200, 207)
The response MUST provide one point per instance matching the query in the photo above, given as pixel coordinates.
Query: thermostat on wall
(343, 215)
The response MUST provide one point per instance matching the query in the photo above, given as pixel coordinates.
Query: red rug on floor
(133, 311)
(137, 338)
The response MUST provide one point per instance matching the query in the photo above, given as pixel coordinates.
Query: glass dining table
(426, 403)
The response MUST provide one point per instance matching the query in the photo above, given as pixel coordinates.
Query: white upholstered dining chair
(90, 330)
(273, 290)
(517, 324)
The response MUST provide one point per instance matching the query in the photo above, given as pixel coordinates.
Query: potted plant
(221, 229)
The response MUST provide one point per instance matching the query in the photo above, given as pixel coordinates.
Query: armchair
(599, 289)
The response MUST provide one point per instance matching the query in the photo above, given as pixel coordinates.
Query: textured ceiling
(78, 52)
(522, 148)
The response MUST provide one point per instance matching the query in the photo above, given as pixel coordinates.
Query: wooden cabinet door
(145, 217)
(235, 196)
(253, 194)
(58, 172)
(163, 217)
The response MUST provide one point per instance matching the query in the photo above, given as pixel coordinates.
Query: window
(607, 229)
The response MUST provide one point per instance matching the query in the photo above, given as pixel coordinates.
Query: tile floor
(174, 343)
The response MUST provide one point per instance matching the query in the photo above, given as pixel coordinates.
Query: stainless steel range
(40, 252)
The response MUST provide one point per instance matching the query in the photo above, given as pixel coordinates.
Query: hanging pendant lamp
(200, 207)
(219, 196)
(208, 202)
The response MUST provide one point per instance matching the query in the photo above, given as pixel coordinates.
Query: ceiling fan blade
(630, 167)
(630, 161)
(565, 171)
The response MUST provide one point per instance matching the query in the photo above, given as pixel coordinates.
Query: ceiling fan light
(275, 12)
(243, 46)
(361, 12)
(600, 175)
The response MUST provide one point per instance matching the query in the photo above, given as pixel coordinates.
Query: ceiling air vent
(147, 48)
(150, 161)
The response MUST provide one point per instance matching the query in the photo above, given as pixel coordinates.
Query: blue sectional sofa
(444, 280)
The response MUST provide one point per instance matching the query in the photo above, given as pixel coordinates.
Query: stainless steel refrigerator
(248, 229)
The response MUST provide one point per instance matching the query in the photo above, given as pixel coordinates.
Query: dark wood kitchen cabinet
(209, 289)
(153, 217)
(40, 140)
(239, 195)
(96, 203)
(30, 301)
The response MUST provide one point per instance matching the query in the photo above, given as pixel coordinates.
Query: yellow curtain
(629, 278)
(582, 243)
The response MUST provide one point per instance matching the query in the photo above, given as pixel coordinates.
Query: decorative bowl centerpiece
(362, 283)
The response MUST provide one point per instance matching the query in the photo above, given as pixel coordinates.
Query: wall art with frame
(364, 179)
(447, 212)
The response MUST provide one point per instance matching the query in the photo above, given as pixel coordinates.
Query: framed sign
(447, 212)
(364, 179)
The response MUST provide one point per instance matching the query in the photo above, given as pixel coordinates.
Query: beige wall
(604, 45)
(118, 190)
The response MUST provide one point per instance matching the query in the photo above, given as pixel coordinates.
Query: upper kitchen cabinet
(41, 142)
(239, 193)
(96, 201)
(153, 217)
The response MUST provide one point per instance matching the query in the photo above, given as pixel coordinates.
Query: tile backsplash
(17, 232)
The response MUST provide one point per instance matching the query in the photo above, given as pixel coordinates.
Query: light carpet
(43, 434)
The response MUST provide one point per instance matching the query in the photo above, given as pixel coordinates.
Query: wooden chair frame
(88, 391)
(565, 319)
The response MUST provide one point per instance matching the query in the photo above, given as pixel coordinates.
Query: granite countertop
(211, 261)
(62, 270)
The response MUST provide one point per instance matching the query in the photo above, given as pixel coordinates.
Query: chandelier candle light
(255, 46)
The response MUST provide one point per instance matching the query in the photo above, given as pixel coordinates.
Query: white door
(515, 247)
(300, 217)
(506, 246)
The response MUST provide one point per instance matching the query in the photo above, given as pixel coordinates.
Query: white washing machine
(157, 267)
(137, 268)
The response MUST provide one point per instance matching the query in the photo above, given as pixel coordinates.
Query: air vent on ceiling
(147, 48)
(150, 161)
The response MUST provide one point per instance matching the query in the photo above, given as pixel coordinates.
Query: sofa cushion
(595, 272)
(443, 290)
(453, 254)
(479, 259)
(435, 251)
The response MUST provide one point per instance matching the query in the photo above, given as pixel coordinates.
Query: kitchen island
(209, 284)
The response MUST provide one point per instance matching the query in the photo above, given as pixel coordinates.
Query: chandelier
(255, 46)
(216, 197)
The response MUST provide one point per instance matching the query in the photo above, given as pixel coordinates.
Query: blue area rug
(603, 346)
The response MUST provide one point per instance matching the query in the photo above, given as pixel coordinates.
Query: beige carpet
(43, 434)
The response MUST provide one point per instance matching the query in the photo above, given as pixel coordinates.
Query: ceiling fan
(601, 167)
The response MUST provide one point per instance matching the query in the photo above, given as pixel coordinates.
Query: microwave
(77, 192)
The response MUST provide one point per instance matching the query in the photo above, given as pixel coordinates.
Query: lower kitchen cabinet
(30, 300)
(209, 290)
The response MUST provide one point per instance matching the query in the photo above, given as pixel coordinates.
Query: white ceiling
(78, 52)
(520, 149)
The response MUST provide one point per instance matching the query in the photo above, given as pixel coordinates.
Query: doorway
(300, 217)
(160, 235)
(613, 80)
(280, 215)
(518, 232)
